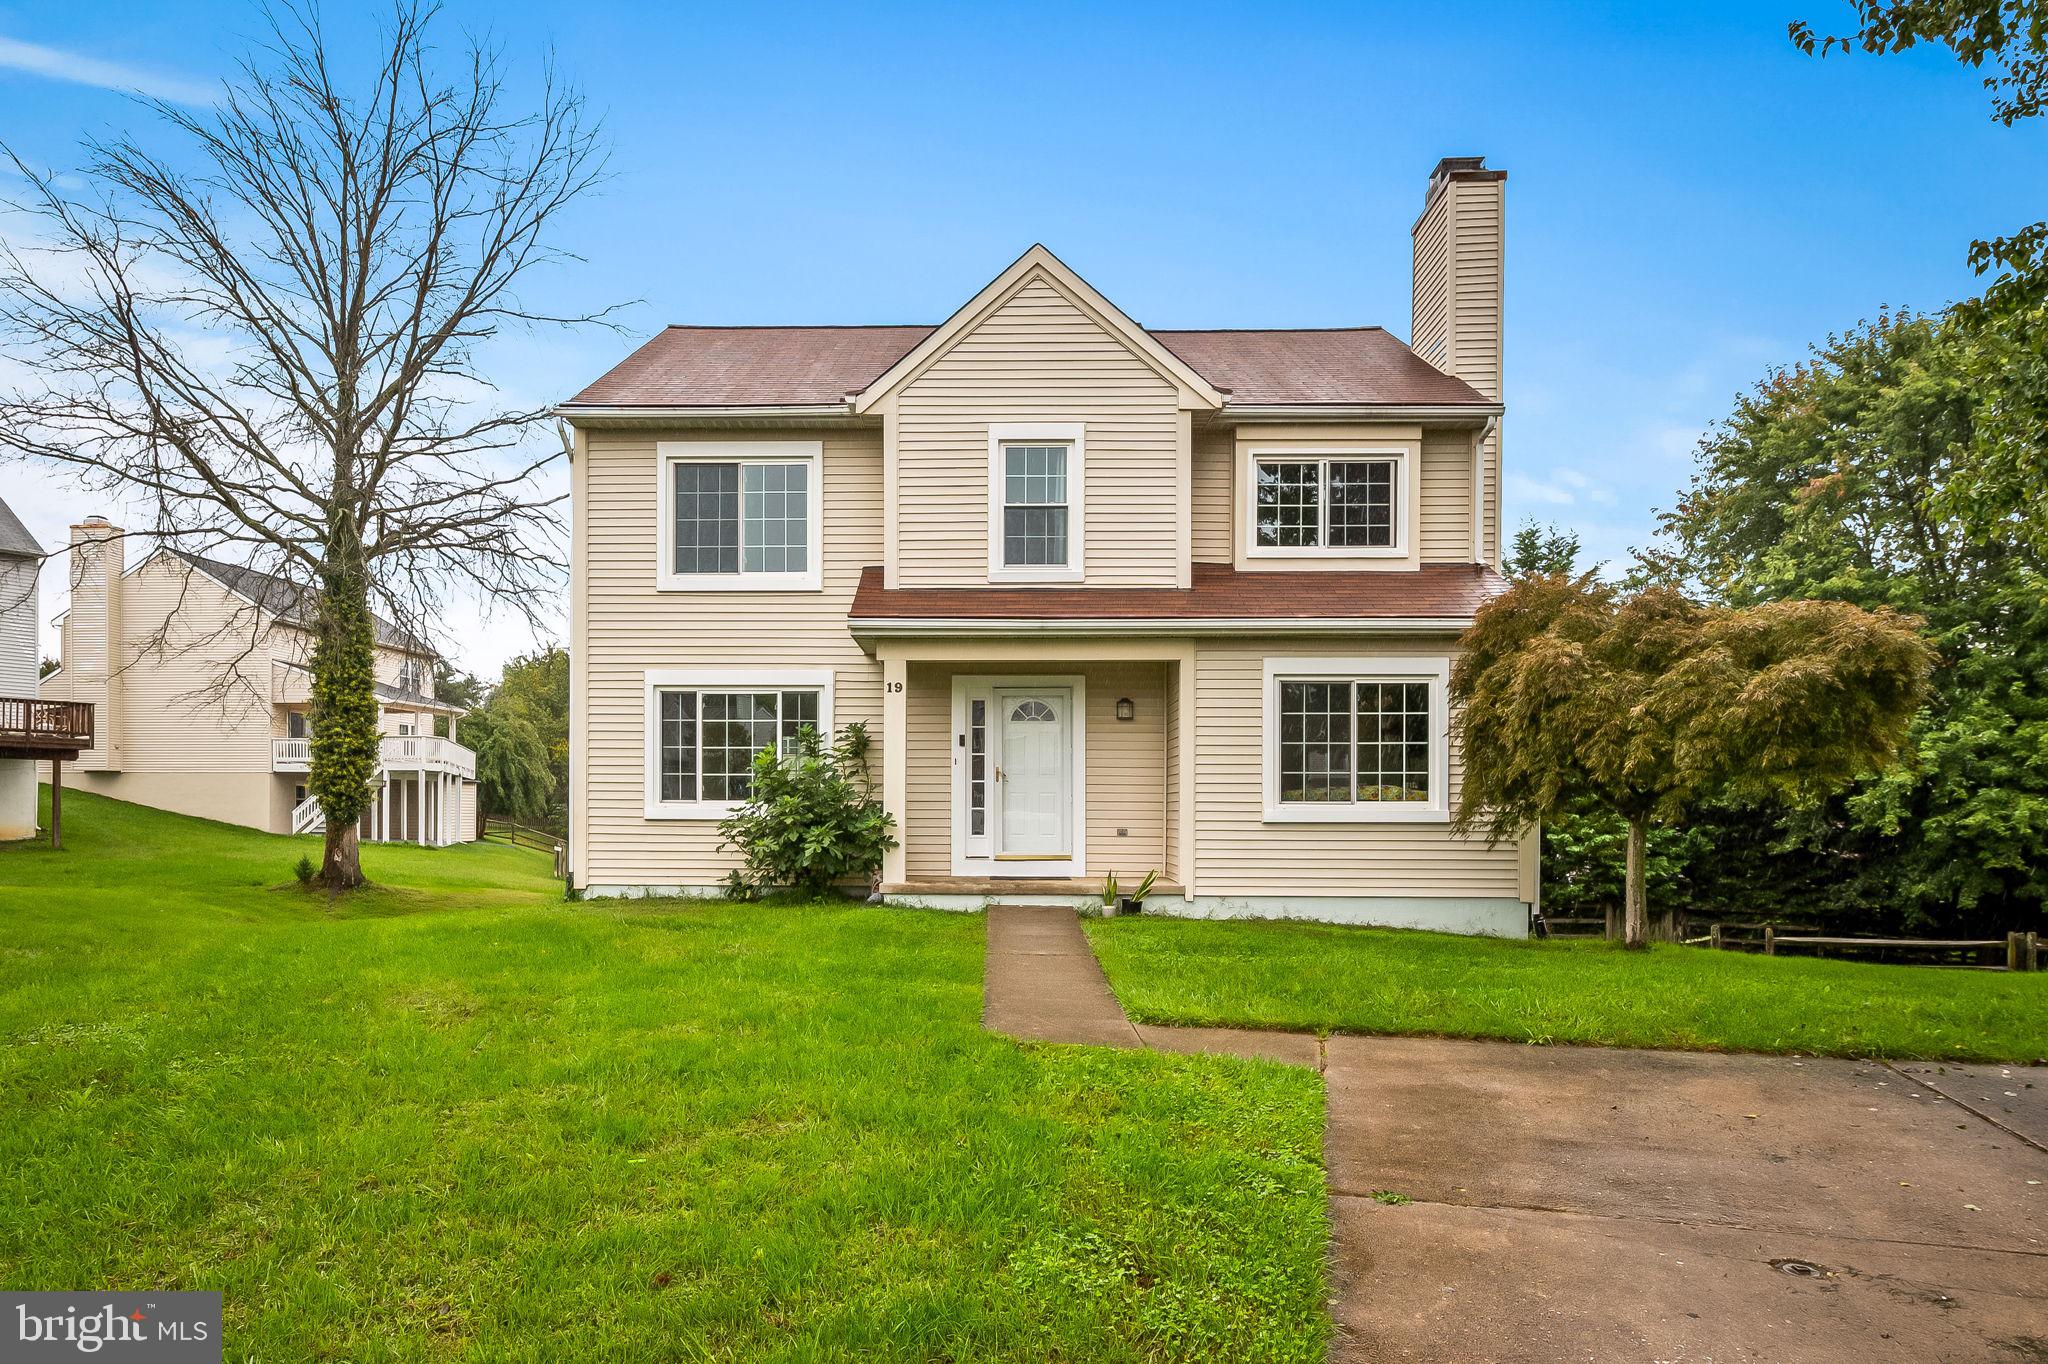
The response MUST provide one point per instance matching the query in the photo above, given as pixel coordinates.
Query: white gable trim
(1039, 263)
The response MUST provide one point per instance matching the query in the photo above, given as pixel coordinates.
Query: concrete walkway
(1588, 1203)
(1043, 984)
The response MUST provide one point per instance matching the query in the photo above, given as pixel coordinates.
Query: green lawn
(461, 1119)
(1328, 979)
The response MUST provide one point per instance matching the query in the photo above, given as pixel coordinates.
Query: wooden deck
(32, 728)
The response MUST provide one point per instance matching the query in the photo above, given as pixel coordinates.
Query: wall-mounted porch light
(1125, 710)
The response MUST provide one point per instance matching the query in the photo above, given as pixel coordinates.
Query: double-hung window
(1356, 739)
(1339, 502)
(1035, 479)
(705, 728)
(739, 515)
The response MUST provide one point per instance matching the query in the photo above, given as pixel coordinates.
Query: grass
(460, 1119)
(1320, 978)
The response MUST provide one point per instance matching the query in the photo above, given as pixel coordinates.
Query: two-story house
(1109, 598)
(196, 669)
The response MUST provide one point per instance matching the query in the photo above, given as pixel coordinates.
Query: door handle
(999, 774)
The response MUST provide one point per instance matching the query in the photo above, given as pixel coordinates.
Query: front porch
(1021, 770)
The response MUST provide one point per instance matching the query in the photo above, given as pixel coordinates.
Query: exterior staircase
(307, 817)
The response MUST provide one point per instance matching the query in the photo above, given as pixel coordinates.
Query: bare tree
(271, 339)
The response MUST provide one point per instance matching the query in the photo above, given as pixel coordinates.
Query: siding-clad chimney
(1460, 255)
(92, 637)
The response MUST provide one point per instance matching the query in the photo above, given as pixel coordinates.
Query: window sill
(692, 809)
(738, 582)
(1348, 812)
(1035, 575)
(1274, 552)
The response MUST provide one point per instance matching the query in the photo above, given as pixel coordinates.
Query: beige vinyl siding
(1460, 255)
(1037, 356)
(18, 658)
(1123, 764)
(1215, 464)
(1446, 497)
(1237, 853)
(1170, 861)
(927, 831)
(630, 627)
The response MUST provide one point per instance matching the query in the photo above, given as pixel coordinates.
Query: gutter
(605, 412)
(1360, 411)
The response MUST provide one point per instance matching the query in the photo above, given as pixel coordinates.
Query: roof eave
(904, 627)
(645, 414)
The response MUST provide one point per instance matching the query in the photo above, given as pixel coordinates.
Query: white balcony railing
(396, 752)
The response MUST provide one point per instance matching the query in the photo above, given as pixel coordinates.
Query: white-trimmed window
(412, 674)
(1356, 739)
(1340, 503)
(704, 727)
(740, 515)
(1034, 500)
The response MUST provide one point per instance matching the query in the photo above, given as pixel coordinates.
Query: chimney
(92, 636)
(1460, 252)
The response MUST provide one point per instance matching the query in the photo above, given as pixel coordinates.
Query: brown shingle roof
(780, 366)
(1218, 592)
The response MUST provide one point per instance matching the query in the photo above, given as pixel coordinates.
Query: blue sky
(1690, 200)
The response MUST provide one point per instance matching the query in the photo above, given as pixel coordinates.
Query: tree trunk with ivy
(345, 740)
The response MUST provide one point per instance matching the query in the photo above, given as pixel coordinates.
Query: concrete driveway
(1589, 1204)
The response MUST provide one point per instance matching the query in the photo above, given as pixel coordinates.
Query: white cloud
(56, 64)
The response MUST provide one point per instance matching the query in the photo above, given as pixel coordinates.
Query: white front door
(1034, 767)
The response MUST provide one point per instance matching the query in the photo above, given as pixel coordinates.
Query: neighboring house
(197, 669)
(1109, 599)
(28, 729)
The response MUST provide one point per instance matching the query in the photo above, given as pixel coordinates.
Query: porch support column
(895, 758)
(419, 790)
(1185, 716)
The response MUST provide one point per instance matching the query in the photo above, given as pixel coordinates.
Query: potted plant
(1115, 903)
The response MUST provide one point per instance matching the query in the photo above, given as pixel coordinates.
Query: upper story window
(1338, 503)
(740, 515)
(1035, 481)
(412, 674)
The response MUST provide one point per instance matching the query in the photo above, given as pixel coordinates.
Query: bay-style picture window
(1332, 503)
(706, 726)
(1035, 482)
(1356, 739)
(739, 515)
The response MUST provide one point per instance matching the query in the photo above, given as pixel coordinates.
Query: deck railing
(28, 720)
(403, 752)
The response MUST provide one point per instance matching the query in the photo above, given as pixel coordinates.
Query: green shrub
(305, 871)
(813, 820)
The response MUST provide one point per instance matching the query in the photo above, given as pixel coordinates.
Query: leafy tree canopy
(1572, 692)
(1827, 482)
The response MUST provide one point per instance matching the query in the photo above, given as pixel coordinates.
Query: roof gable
(1036, 265)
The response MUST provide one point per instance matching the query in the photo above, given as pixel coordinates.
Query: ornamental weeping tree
(267, 335)
(1569, 690)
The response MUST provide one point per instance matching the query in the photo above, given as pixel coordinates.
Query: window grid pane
(1393, 741)
(977, 767)
(1289, 511)
(678, 745)
(1315, 741)
(1362, 504)
(776, 506)
(799, 709)
(707, 513)
(1034, 505)
(736, 726)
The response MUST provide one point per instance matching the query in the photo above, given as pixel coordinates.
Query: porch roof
(1219, 597)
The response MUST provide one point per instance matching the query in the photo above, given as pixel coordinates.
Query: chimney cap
(1459, 168)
